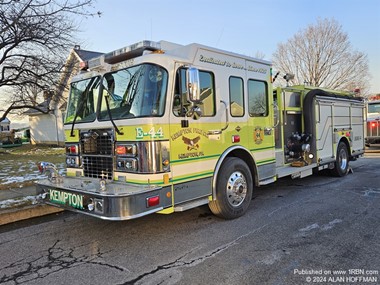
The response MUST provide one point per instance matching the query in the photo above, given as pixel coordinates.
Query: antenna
(151, 29)
(220, 36)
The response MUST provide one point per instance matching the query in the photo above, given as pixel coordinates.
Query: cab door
(189, 143)
(260, 121)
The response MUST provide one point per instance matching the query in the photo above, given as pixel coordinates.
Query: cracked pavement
(319, 222)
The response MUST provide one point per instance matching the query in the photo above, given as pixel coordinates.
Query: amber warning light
(120, 150)
(128, 149)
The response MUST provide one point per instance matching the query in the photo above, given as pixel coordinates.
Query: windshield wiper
(75, 118)
(130, 91)
(81, 105)
(109, 111)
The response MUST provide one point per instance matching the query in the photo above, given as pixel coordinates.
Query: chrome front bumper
(109, 200)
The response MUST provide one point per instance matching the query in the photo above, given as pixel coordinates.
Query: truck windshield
(137, 91)
(83, 99)
(374, 107)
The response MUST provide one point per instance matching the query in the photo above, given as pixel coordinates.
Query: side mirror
(193, 85)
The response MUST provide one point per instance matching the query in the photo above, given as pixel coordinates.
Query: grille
(97, 142)
(97, 150)
(98, 167)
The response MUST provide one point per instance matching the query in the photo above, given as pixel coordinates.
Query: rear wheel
(233, 189)
(342, 161)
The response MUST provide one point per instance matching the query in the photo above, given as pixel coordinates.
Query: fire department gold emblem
(258, 135)
(192, 144)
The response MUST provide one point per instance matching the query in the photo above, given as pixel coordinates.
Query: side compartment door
(324, 110)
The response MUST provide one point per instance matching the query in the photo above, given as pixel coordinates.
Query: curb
(33, 211)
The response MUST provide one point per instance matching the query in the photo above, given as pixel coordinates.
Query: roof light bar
(131, 51)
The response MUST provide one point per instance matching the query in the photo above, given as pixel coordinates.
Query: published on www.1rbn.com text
(358, 276)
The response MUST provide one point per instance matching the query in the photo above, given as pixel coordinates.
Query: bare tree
(35, 37)
(321, 55)
(259, 55)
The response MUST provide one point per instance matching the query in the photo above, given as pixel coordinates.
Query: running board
(191, 204)
(267, 181)
(295, 172)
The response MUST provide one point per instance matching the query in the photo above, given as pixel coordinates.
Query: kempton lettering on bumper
(73, 200)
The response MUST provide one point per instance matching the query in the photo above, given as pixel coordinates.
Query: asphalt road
(319, 229)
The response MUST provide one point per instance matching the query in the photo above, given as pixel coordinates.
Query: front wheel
(234, 189)
(342, 158)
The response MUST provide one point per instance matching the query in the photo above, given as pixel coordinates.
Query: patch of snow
(28, 172)
(16, 202)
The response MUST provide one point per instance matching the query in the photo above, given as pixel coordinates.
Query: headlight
(127, 164)
(72, 155)
(72, 161)
(143, 157)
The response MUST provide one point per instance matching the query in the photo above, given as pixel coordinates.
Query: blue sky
(242, 26)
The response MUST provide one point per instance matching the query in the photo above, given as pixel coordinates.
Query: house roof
(43, 106)
(81, 55)
(85, 55)
(5, 121)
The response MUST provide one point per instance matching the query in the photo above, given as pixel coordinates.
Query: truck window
(207, 93)
(137, 91)
(257, 98)
(181, 105)
(373, 108)
(236, 97)
(83, 100)
(293, 99)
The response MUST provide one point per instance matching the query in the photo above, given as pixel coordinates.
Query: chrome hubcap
(236, 189)
(343, 159)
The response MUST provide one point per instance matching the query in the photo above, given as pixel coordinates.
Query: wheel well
(345, 141)
(244, 155)
(247, 158)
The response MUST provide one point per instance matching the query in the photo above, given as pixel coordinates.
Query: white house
(5, 125)
(48, 128)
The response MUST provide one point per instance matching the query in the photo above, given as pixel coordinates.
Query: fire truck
(158, 127)
(373, 123)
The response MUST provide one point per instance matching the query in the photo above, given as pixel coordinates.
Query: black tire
(342, 161)
(234, 189)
